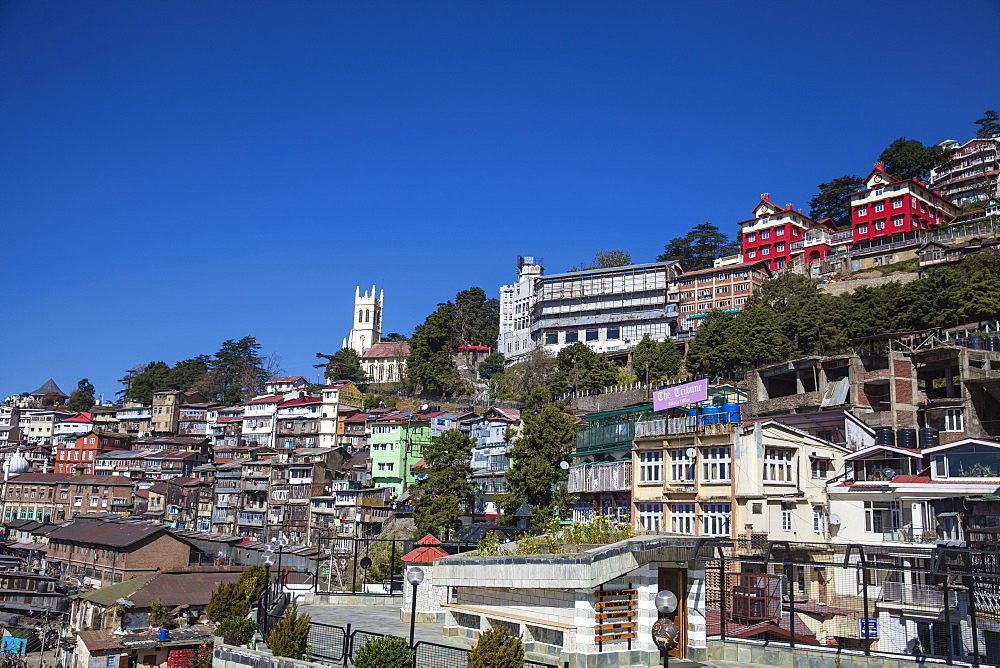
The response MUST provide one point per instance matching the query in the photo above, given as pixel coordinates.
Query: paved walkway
(382, 619)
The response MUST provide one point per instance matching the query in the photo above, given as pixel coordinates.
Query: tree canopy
(345, 364)
(910, 159)
(661, 360)
(547, 437)
(833, 201)
(605, 259)
(989, 124)
(82, 398)
(699, 248)
(443, 484)
(580, 368)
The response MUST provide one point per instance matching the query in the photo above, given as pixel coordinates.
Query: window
(741, 287)
(751, 253)
(77, 500)
(765, 234)
(862, 211)
(862, 229)
(650, 466)
(551, 338)
(716, 464)
(613, 333)
(819, 519)
(779, 230)
(592, 334)
(572, 337)
(681, 466)
(687, 308)
(897, 202)
(93, 502)
(722, 304)
(779, 247)
(722, 290)
(715, 519)
(778, 465)
(765, 250)
(879, 206)
(882, 516)
(897, 221)
(752, 236)
(650, 516)
(682, 519)
(786, 519)
(740, 301)
(879, 224)
(878, 192)
(953, 420)
(820, 468)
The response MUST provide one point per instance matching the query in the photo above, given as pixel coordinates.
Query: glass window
(552, 338)
(786, 519)
(592, 334)
(716, 464)
(614, 333)
(650, 516)
(650, 465)
(681, 466)
(715, 519)
(682, 518)
(820, 468)
(882, 516)
(572, 337)
(778, 465)
(819, 519)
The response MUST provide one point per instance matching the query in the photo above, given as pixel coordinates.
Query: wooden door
(675, 580)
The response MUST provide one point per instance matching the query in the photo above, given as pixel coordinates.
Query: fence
(354, 563)
(941, 602)
(337, 645)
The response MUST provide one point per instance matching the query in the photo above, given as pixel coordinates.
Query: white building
(367, 329)
(972, 175)
(517, 301)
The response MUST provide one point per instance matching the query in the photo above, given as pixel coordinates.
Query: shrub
(236, 630)
(229, 600)
(290, 634)
(252, 582)
(496, 648)
(159, 615)
(384, 652)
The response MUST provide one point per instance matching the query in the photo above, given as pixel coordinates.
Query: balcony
(679, 426)
(603, 477)
(255, 485)
(251, 521)
(927, 596)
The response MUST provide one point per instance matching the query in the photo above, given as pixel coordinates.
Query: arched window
(361, 314)
(367, 315)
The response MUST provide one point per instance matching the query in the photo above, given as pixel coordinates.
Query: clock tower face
(765, 211)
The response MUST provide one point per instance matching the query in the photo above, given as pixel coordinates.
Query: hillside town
(834, 501)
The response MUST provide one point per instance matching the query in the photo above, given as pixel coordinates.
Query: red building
(769, 235)
(890, 210)
(78, 456)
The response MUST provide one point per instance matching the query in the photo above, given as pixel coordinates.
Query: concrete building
(607, 309)
(298, 422)
(769, 235)
(601, 474)
(972, 174)
(493, 439)
(78, 456)
(166, 410)
(720, 288)
(397, 443)
(55, 497)
(517, 302)
(341, 400)
(385, 362)
(286, 384)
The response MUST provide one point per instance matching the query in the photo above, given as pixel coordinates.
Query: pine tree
(291, 634)
(444, 486)
(345, 364)
(989, 124)
(833, 200)
(237, 371)
(496, 648)
(699, 248)
(661, 360)
(547, 437)
(82, 398)
(708, 354)
(228, 600)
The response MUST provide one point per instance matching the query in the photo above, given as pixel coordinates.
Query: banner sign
(680, 395)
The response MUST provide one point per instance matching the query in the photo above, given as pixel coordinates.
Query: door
(675, 580)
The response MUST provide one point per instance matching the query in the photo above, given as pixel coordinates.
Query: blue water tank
(692, 412)
(731, 413)
(164, 634)
(710, 414)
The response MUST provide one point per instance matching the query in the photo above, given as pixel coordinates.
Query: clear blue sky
(173, 174)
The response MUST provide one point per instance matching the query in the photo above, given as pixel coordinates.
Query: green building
(396, 445)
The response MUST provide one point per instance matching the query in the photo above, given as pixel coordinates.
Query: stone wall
(756, 653)
(852, 284)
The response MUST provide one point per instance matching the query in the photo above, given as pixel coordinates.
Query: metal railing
(915, 594)
(683, 425)
(602, 477)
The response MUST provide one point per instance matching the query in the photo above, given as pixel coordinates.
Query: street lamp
(665, 633)
(414, 576)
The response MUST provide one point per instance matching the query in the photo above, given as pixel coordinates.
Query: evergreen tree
(699, 248)
(979, 298)
(345, 364)
(812, 322)
(708, 353)
(82, 398)
(754, 339)
(429, 366)
(237, 371)
(580, 368)
(444, 484)
(476, 319)
(910, 159)
(491, 366)
(252, 582)
(228, 600)
(833, 200)
(606, 259)
(496, 648)
(291, 634)
(188, 375)
(661, 360)
(989, 124)
(547, 437)
(152, 379)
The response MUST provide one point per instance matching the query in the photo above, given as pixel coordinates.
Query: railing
(908, 535)
(915, 594)
(250, 521)
(255, 485)
(684, 425)
(603, 477)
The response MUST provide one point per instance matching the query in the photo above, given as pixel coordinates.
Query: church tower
(367, 329)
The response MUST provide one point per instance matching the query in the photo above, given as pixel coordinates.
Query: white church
(382, 361)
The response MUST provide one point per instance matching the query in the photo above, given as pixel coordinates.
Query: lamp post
(665, 633)
(414, 576)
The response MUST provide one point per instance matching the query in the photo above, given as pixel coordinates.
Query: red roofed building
(769, 235)
(425, 550)
(285, 384)
(385, 362)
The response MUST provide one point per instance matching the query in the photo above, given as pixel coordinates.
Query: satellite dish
(564, 465)
(889, 473)
(691, 453)
(834, 519)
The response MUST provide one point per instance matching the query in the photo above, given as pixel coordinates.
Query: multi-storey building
(135, 421)
(341, 398)
(601, 475)
(492, 436)
(67, 429)
(226, 502)
(397, 443)
(286, 384)
(607, 309)
(721, 288)
(255, 480)
(78, 456)
(890, 209)
(41, 424)
(55, 497)
(972, 174)
(259, 419)
(192, 419)
(769, 235)
(225, 426)
(166, 410)
(298, 422)
(517, 301)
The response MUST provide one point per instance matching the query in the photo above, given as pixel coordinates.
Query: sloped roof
(172, 588)
(388, 349)
(426, 550)
(97, 532)
(285, 379)
(48, 386)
